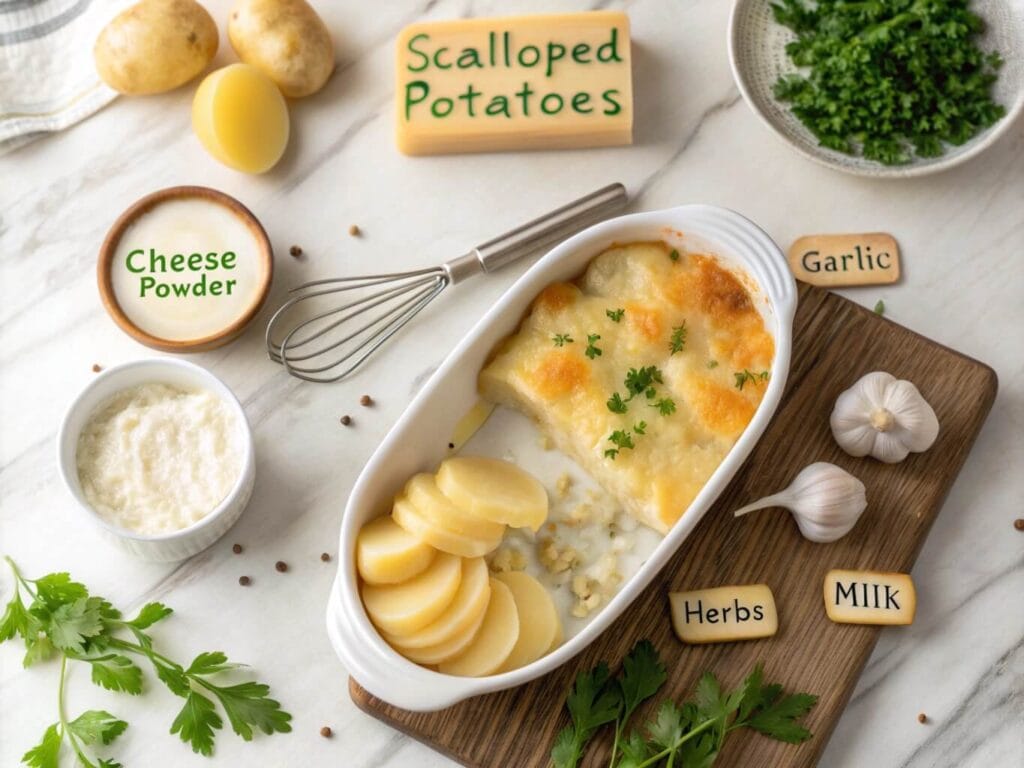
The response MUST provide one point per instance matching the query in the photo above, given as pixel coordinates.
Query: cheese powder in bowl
(156, 458)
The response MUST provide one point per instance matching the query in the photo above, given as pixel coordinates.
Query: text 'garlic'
(826, 502)
(883, 417)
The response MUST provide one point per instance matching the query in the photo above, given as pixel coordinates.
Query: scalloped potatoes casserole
(646, 370)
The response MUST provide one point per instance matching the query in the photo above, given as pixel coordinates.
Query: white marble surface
(962, 662)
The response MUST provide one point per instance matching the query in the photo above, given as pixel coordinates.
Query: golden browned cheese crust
(567, 391)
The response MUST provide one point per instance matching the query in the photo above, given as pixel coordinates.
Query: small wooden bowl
(104, 270)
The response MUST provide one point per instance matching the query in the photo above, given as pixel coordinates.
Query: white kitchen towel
(47, 77)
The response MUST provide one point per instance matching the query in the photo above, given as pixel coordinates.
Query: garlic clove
(916, 420)
(826, 501)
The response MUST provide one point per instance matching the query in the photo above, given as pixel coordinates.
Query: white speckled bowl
(417, 442)
(167, 547)
(757, 54)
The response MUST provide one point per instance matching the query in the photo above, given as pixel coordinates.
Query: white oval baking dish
(417, 442)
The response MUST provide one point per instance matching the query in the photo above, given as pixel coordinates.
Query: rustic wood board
(835, 342)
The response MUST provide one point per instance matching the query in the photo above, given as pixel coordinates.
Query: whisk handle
(554, 226)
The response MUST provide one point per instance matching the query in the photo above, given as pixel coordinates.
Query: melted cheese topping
(567, 392)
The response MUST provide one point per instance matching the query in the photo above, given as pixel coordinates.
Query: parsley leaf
(592, 702)
(640, 381)
(778, 718)
(561, 339)
(149, 615)
(747, 377)
(592, 351)
(97, 726)
(674, 255)
(72, 623)
(247, 705)
(615, 315)
(16, 619)
(712, 364)
(666, 406)
(196, 723)
(616, 404)
(117, 673)
(678, 340)
(46, 754)
(879, 307)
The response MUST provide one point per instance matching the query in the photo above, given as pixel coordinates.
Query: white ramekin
(417, 442)
(166, 547)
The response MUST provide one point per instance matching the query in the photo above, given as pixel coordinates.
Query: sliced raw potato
(495, 640)
(494, 490)
(422, 490)
(436, 535)
(388, 554)
(539, 624)
(466, 608)
(401, 609)
(449, 649)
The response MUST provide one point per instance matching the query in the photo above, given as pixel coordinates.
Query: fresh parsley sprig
(615, 315)
(690, 734)
(592, 350)
(62, 618)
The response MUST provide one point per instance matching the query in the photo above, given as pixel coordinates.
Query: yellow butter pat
(724, 614)
(527, 82)
(869, 597)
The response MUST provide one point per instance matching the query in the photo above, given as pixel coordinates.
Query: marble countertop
(962, 662)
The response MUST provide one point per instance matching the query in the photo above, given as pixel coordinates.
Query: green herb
(642, 380)
(592, 351)
(743, 377)
(640, 427)
(879, 307)
(892, 79)
(712, 364)
(63, 619)
(666, 406)
(616, 404)
(690, 734)
(621, 439)
(615, 315)
(674, 255)
(678, 340)
(561, 339)
(636, 382)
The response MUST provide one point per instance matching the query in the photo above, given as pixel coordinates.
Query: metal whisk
(333, 343)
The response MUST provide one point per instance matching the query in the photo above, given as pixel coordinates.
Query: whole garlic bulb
(826, 501)
(883, 417)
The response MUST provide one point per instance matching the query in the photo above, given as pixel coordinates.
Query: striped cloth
(47, 77)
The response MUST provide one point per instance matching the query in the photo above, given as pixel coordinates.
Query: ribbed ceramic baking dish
(417, 441)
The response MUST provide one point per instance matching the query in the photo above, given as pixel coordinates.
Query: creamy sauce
(155, 459)
(187, 269)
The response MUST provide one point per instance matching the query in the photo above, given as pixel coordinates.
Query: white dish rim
(368, 658)
(67, 444)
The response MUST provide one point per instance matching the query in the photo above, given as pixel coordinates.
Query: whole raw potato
(155, 46)
(284, 39)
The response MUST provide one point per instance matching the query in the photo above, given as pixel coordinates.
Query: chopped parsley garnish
(561, 339)
(666, 406)
(712, 364)
(674, 255)
(879, 307)
(592, 351)
(640, 427)
(616, 404)
(615, 315)
(678, 340)
(621, 439)
(744, 377)
(888, 80)
(642, 380)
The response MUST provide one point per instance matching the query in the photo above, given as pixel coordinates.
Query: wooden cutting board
(835, 342)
